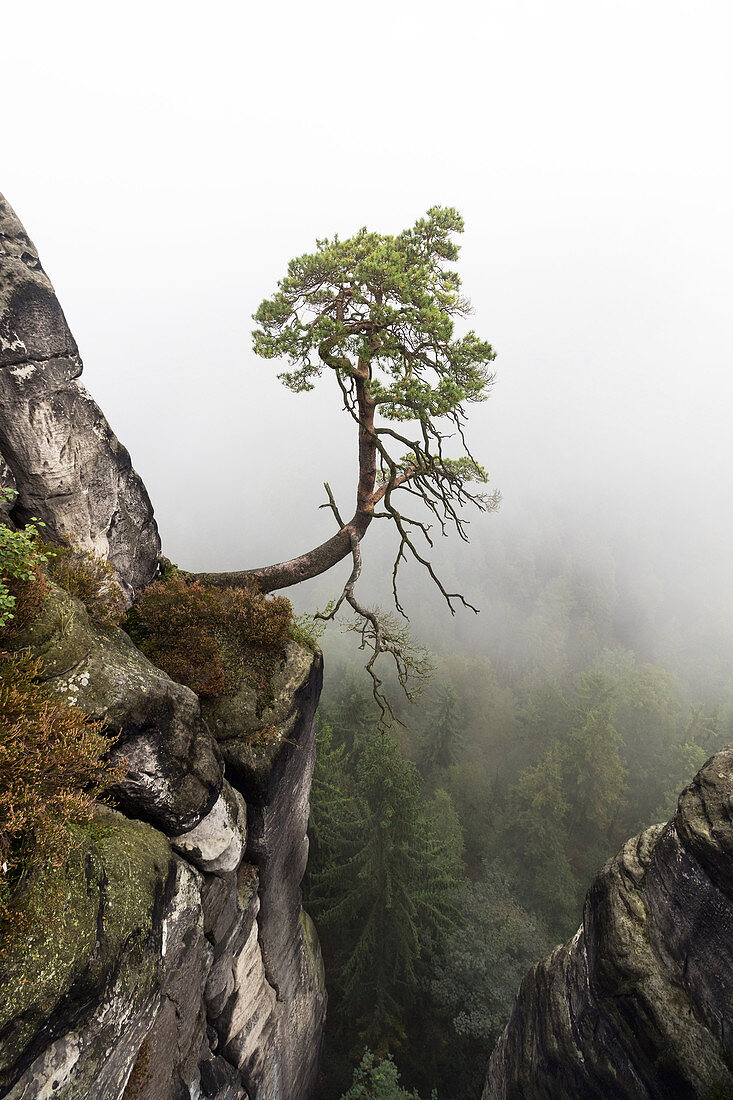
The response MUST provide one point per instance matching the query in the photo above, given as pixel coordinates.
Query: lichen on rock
(93, 922)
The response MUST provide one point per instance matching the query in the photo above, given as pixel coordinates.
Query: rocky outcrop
(271, 762)
(639, 1004)
(174, 772)
(89, 975)
(169, 957)
(233, 1004)
(69, 468)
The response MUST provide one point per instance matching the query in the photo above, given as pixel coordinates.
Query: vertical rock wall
(69, 468)
(169, 958)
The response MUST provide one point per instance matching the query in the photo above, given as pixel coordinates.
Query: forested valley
(452, 851)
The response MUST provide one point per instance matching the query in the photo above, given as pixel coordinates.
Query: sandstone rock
(167, 1063)
(87, 975)
(639, 1004)
(237, 1005)
(217, 843)
(69, 468)
(150, 978)
(253, 733)
(7, 482)
(274, 774)
(174, 774)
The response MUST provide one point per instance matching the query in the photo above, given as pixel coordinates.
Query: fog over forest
(168, 163)
(583, 145)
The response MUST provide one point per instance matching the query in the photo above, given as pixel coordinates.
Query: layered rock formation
(639, 1004)
(168, 958)
(69, 468)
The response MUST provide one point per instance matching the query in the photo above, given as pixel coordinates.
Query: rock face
(274, 775)
(228, 999)
(639, 1004)
(169, 957)
(69, 468)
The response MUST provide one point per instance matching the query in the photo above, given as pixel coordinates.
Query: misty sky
(169, 159)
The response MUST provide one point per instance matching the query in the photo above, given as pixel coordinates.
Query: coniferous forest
(454, 849)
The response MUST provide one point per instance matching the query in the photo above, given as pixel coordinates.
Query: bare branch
(332, 505)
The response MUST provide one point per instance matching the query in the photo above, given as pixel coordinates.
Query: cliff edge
(168, 956)
(639, 1004)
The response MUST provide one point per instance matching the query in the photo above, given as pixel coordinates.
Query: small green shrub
(90, 579)
(207, 637)
(22, 586)
(53, 765)
(307, 630)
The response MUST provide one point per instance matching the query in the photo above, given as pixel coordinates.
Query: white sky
(168, 159)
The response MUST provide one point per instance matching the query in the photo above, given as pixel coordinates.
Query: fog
(168, 161)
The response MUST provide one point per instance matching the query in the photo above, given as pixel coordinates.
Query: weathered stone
(251, 735)
(230, 908)
(69, 468)
(230, 998)
(7, 484)
(149, 979)
(87, 974)
(639, 1004)
(217, 843)
(220, 1081)
(275, 776)
(167, 1063)
(174, 774)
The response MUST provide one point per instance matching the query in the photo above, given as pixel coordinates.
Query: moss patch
(59, 635)
(313, 950)
(209, 638)
(75, 921)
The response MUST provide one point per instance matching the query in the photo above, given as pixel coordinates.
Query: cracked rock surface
(168, 958)
(234, 999)
(639, 1004)
(68, 466)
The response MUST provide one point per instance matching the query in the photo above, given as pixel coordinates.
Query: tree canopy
(377, 314)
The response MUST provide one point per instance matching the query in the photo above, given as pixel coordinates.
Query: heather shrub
(209, 638)
(53, 765)
(90, 579)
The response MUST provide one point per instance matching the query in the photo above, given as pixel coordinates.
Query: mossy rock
(313, 950)
(249, 712)
(98, 913)
(251, 735)
(173, 770)
(59, 635)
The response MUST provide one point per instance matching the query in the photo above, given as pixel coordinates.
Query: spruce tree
(385, 885)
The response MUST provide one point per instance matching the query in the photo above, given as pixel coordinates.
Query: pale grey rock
(218, 842)
(639, 1004)
(168, 1058)
(69, 468)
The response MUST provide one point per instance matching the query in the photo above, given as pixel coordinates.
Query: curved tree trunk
(270, 578)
